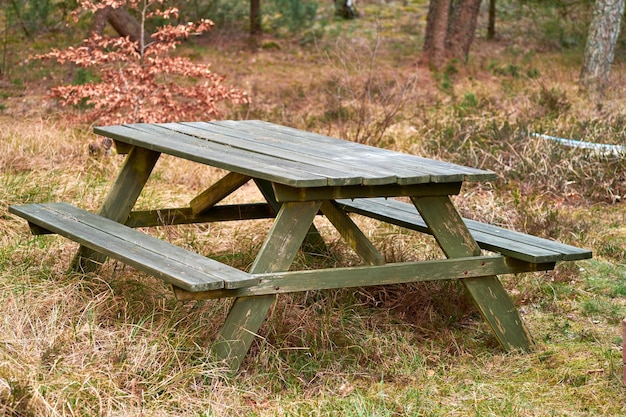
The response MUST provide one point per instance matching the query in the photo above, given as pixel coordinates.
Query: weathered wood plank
(490, 297)
(277, 253)
(352, 234)
(120, 200)
(489, 237)
(287, 193)
(217, 192)
(400, 273)
(231, 159)
(439, 169)
(146, 253)
(250, 158)
(221, 213)
(344, 172)
(313, 242)
(342, 153)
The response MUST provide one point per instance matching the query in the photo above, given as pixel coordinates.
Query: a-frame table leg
(488, 293)
(313, 243)
(119, 201)
(277, 253)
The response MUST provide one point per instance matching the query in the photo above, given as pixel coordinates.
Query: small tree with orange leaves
(139, 81)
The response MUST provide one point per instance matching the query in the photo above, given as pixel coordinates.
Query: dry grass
(117, 343)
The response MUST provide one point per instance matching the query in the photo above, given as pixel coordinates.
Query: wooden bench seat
(176, 266)
(489, 237)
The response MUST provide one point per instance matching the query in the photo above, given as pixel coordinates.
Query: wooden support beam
(119, 201)
(352, 234)
(313, 243)
(277, 253)
(221, 213)
(397, 273)
(217, 192)
(288, 193)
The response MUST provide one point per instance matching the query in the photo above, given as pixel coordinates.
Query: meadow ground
(118, 343)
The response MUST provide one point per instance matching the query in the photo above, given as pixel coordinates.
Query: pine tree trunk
(450, 29)
(255, 17)
(461, 28)
(601, 40)
(436, 32)
(491, 25)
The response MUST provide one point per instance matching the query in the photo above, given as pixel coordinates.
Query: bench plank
(161, 259)
(489, 237)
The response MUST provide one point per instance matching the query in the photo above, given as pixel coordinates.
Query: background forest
(118, 343)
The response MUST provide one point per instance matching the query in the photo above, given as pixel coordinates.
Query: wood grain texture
(156, 257)
(119, 201)
(489, 295)
(277, 253)
(489, 237)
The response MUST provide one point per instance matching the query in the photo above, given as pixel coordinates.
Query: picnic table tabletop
(289, 156)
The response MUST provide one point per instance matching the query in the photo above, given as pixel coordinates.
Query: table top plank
(336, 174)
(289, 156)
(402, 159)
(231, 159)
(342, 152)
(311, 152)
(252, 159)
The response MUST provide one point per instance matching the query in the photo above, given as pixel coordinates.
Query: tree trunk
(600, 48)
(461, 28)
(345, 9)
(255, 17)
(436, 32)
(491, 24)
(99, 22)
(450, 28)
(122, 21)
(126, 25)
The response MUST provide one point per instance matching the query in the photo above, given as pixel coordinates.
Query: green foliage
(553, 101)
(36, 16)
(225, 14)
(288, 15)
(85, 76)
(445, 77)
(468, 105)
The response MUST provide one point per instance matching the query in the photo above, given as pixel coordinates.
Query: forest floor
(118, 343)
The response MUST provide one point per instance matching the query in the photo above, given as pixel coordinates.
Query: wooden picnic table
(300, 175)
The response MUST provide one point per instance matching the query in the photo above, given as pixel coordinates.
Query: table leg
(280, 248)
(488, 293)
(313, 243)
(119, 201)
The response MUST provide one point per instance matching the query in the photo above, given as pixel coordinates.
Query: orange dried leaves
(146, 85)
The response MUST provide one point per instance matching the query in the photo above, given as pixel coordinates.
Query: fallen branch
(600, 148)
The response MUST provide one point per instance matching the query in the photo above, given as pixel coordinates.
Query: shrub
(139, 81)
